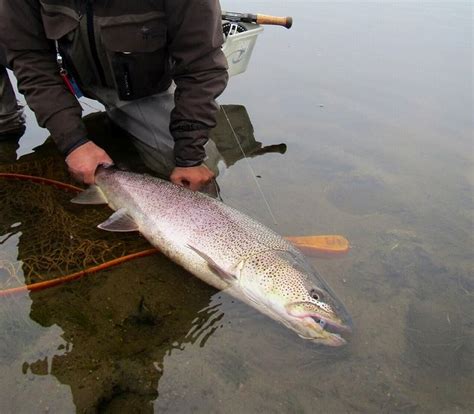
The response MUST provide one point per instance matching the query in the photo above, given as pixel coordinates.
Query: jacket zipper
(92, 43)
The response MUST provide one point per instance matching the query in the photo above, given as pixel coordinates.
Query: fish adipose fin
(91, 195)
(224, 274)
(321, 245)
(120, 221)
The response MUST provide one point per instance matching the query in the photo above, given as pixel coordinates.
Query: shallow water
(374, 104)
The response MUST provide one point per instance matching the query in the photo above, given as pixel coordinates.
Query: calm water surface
(373, 102)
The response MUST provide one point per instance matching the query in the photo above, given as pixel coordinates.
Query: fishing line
(250, 167)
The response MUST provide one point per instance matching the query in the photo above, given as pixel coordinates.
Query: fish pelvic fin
(120, 221)
(92, 195)
(219, 270)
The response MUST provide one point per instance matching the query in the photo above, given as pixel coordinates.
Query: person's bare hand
(84, 160)
(192, 177)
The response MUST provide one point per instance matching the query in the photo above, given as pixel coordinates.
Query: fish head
(284, 286)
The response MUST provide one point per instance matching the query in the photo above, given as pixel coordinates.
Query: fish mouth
(321, 328)
(326, 331)
(331, 326)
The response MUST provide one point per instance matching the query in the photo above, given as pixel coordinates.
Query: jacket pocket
(136, 50)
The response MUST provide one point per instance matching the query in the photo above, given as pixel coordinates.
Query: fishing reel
(232, 28)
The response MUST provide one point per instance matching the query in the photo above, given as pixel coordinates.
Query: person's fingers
(89, 177)
(84, 160)
(83, 175)
(106, 161)
(196, 185)
(183, 182)
(175, 179)
(188, 183)
(192, 177)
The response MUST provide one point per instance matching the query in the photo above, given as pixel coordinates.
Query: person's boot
(12, 121)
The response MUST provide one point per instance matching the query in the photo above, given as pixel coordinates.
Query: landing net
(43, 235)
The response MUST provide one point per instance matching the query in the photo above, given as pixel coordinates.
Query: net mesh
(42, 234)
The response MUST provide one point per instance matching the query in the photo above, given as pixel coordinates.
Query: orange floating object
(331, 244)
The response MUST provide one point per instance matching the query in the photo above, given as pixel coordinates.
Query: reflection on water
(377, 116)
(117, 330)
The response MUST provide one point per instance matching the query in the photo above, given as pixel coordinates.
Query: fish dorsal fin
(120, 221)
(219, 270)
(91, 195)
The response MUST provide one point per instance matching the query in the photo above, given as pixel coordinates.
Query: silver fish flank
(225, 249)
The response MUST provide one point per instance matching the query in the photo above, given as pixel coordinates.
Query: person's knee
(12, 122)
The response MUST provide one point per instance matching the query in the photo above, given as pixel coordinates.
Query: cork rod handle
(275, 20)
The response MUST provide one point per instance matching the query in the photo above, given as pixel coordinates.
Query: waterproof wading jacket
(131, 48)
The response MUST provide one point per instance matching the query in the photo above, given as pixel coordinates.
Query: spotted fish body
(229, 251)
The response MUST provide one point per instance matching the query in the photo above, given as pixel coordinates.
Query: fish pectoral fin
(321, 245)
(220, 271)
(120, 221)
(91, 195)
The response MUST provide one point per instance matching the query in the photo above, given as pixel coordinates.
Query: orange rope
(41, 180)
(74, 276)
(33, 287)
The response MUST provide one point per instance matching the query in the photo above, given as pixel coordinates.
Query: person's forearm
(200, 74)
(54, 106)
(32, 57)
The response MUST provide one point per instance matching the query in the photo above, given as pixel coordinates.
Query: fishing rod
(257, 18)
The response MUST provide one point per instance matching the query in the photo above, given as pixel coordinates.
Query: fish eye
(314, 294)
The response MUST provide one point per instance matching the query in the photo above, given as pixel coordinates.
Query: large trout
(225, 249)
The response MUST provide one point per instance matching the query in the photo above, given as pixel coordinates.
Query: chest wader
(115, 67)
(12, 123)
